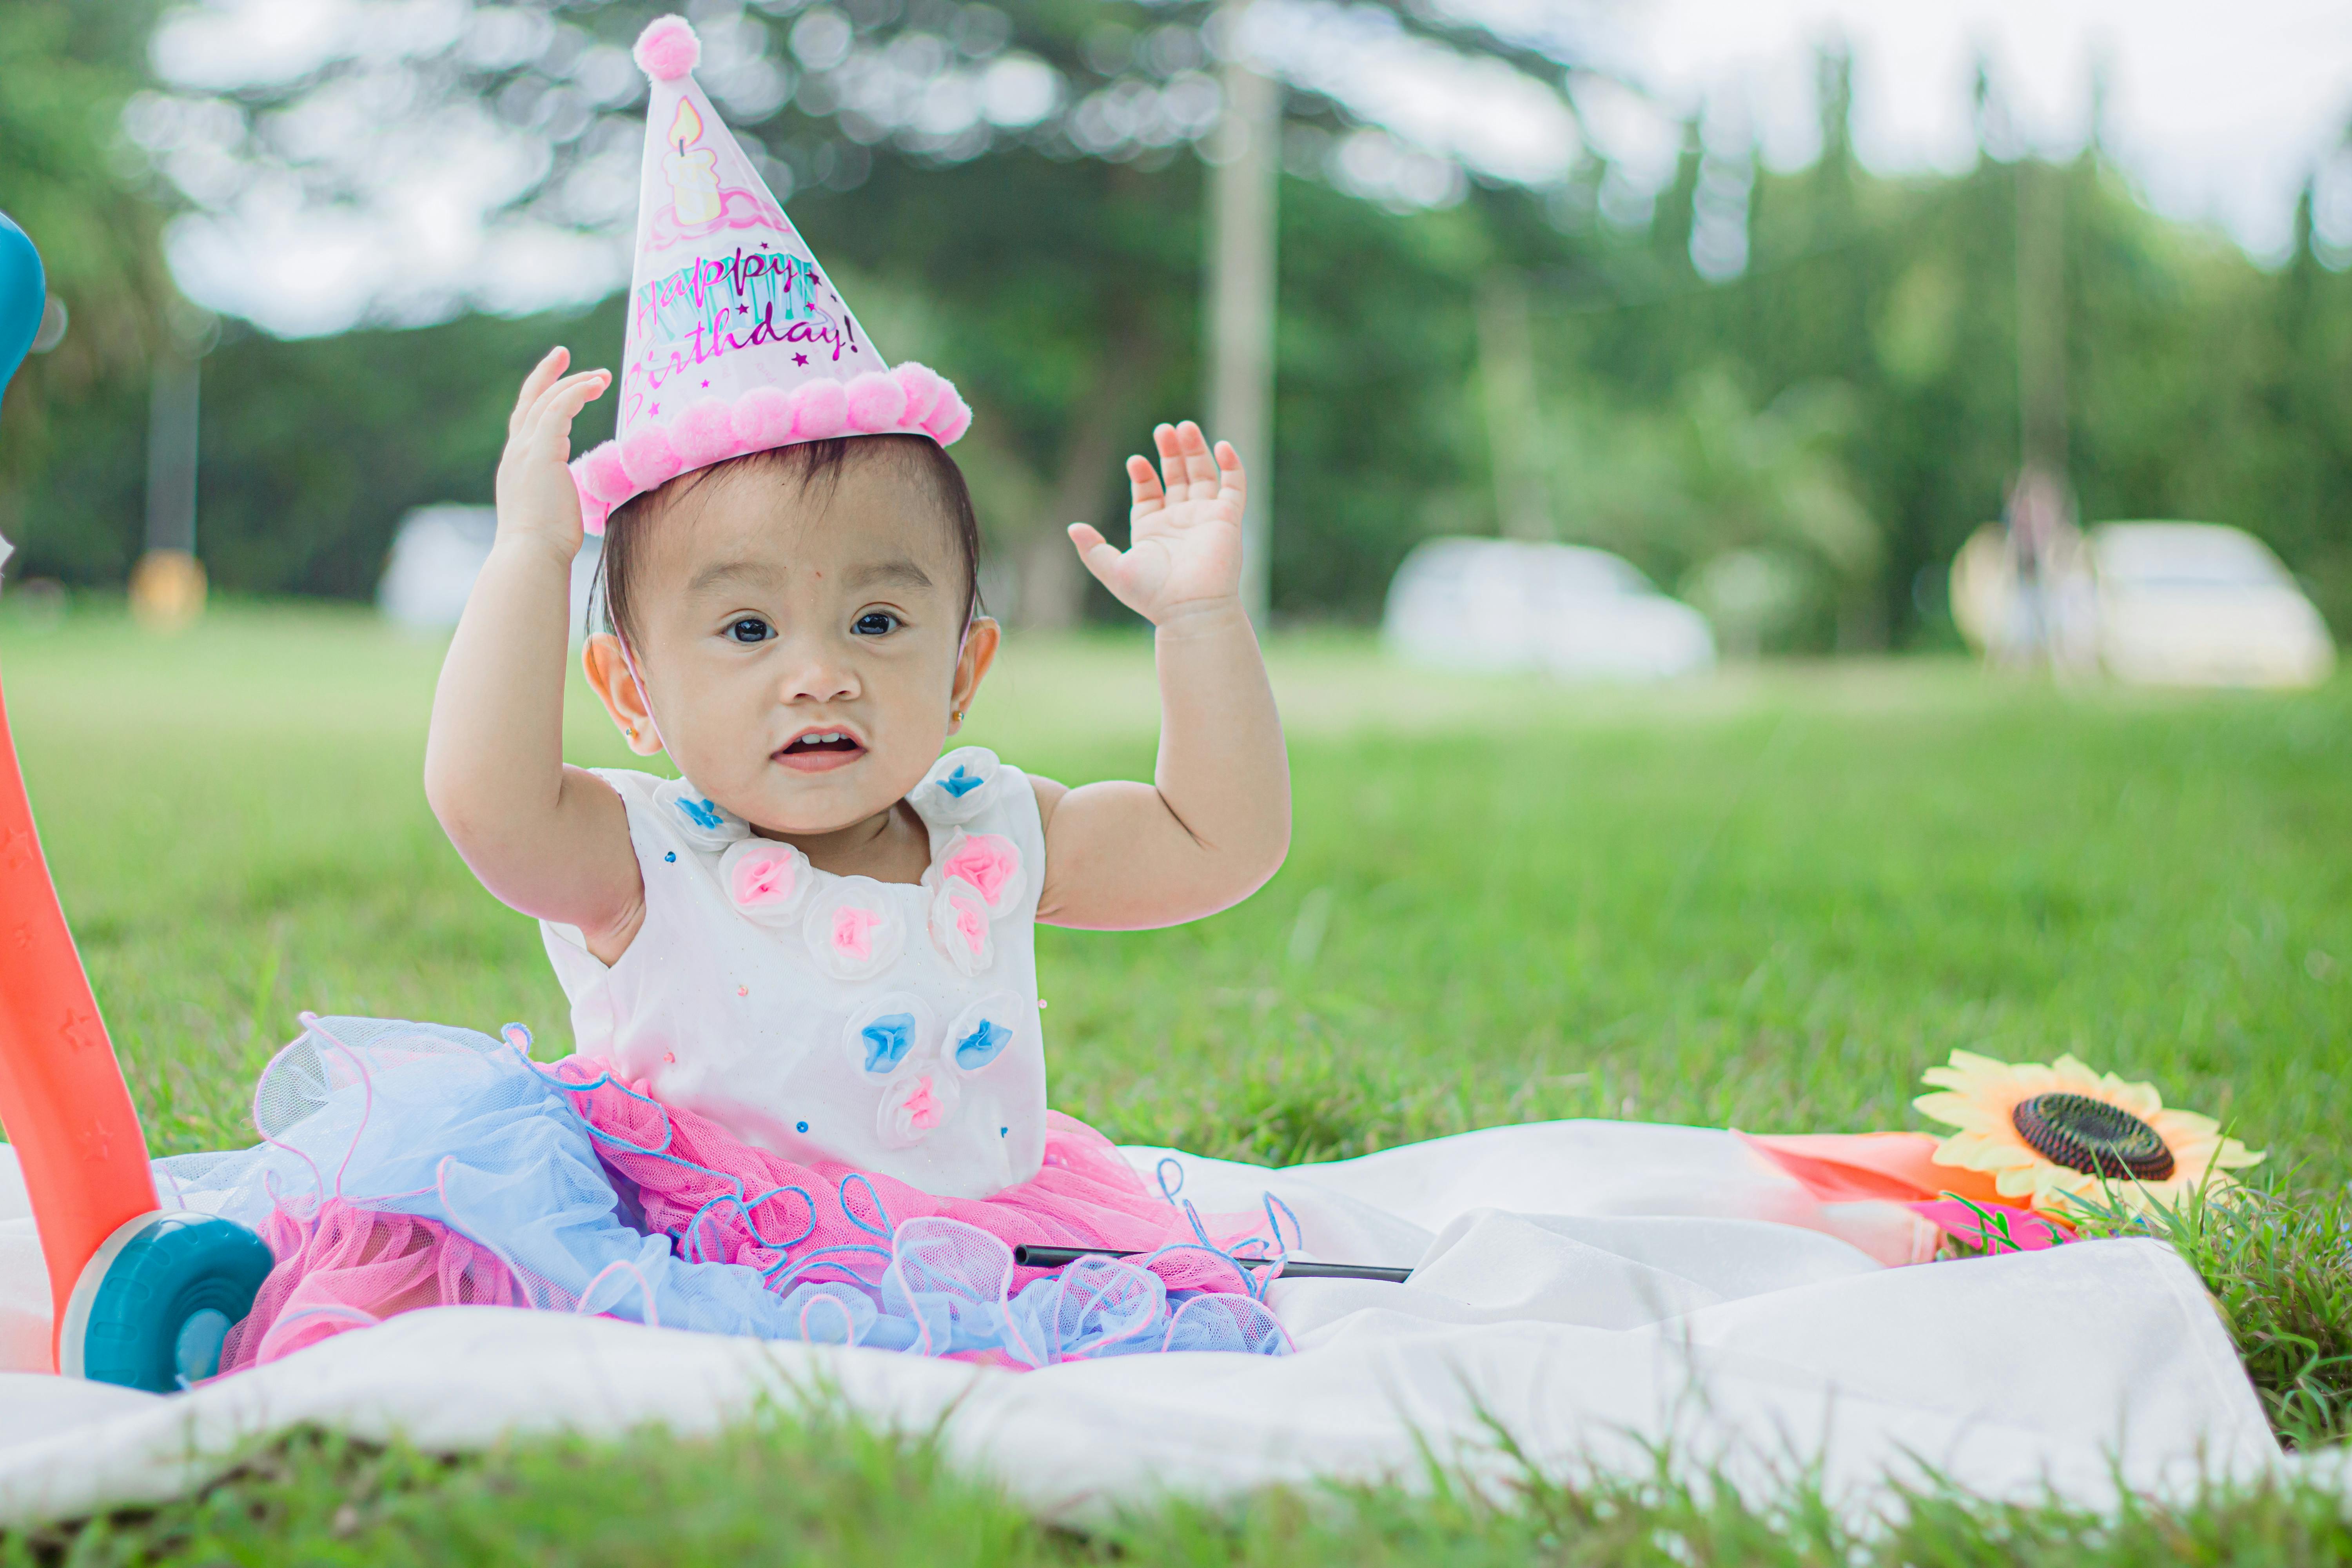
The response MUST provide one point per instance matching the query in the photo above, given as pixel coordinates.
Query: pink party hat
(736, 340)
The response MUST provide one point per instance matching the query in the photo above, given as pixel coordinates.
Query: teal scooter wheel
(153, 1304)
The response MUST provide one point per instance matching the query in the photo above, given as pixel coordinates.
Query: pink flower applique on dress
(989, 862)
(763, 879)
(766, 881)
(912, 1108)
(959, 927)
(852, 931)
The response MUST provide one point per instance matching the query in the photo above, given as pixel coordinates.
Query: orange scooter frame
(63, 1101)
(139, 1295)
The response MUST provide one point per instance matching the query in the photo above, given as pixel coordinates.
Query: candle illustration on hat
(693, 174)
(738, 341)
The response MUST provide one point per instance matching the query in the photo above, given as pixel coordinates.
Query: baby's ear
(980, 643)
(609, 675)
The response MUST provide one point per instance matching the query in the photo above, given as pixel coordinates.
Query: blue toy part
(24, 295)
(154, 1303)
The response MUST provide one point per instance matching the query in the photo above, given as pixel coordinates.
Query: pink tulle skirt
(1086, 1193)
(458, 1179)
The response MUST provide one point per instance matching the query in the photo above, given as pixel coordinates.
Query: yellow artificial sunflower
(2052, 1134)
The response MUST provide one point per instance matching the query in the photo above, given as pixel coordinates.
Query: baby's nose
(818, 678)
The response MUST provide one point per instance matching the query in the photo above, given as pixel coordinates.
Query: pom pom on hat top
(738, 341)
(668, 48)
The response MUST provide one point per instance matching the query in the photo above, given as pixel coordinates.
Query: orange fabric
(62, 1099)
(1844, 1167)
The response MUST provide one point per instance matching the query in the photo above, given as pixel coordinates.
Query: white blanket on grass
(1599, 1291)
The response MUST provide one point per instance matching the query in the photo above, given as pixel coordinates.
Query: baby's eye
(749, 630)
(874, 624)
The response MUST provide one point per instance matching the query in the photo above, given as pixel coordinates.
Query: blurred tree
(313, 450)
(68, 66)
(1015, 197)
(1751, 514)
(2198, 384)
(1027, 168)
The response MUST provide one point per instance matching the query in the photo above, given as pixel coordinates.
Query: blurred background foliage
(1789, 397)
(66, 178)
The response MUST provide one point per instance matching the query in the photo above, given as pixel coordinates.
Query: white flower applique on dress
(700, 820)
(891, 1027)
(960, 786)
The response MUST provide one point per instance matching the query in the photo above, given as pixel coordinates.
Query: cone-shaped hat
(737, 340)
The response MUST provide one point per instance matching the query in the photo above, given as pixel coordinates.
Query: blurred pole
(172, 455)
(167, 587)
(2041, 319)
(2047, 624)
(1245, 162)
(1506, 373)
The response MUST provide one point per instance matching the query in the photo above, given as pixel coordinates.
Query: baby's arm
(546, 839)
(1214, 823)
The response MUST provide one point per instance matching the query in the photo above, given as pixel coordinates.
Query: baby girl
(810, 1095)
(820, 937)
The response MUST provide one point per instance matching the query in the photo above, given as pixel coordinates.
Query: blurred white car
(2196, 604)
(438, 553)
(2057, 624)
(1505, 605)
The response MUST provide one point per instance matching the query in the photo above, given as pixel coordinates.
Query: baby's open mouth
(820, 749)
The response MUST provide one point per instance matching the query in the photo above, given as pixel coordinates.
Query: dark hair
(817, 465)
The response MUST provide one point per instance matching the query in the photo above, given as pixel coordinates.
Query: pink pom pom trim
(820, 411)
(922, 384)
(649, 459)
(668, 48)
(602, 475)
(949, 418)
(876, 403)
(910, 400)
(703, 434)
(763, 418)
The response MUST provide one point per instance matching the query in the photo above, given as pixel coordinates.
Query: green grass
(819, 1490)
(1767, 901)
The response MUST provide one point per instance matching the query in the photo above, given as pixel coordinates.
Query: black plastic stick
(1055, 1257)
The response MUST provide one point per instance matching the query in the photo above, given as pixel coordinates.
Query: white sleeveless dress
(893, 1026)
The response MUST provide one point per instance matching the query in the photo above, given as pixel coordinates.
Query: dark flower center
(2093, 1137)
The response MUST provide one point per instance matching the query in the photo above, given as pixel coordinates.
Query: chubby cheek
(906, 714)
(719, 737)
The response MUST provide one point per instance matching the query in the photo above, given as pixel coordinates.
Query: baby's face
(803, 651)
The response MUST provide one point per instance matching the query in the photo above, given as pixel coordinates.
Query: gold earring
(957, 716)
(630, 730)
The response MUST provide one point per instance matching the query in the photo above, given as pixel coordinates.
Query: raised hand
(537, 499)
(1185, 549)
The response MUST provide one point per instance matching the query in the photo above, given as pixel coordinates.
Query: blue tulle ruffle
(457, 1127)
